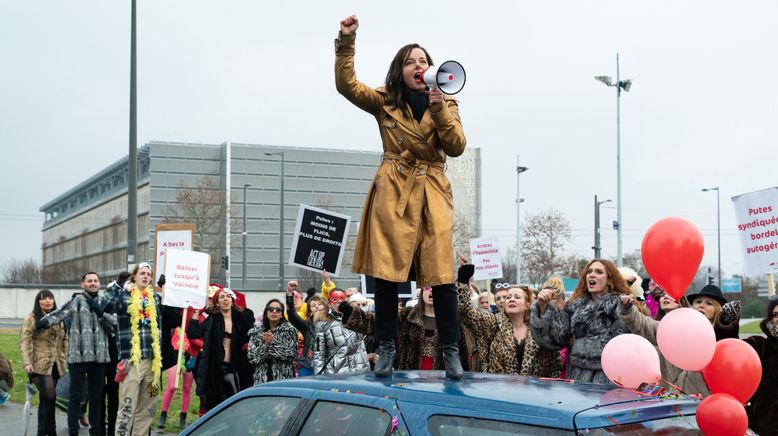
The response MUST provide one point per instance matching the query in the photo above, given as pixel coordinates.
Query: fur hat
(633, 280)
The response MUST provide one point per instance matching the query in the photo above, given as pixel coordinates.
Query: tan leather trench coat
(408, 214)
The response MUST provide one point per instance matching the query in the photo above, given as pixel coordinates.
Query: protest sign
(404, 290)
(177, 236)
(485, 256)
(186, 276)
(319, 239)
(757, 223)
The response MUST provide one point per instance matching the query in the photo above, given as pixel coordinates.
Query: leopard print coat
(497, 345)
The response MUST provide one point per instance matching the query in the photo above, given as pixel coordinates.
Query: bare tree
(572, 266)
(24, 271)
(204, 206)
(543, 239)
(633, 260)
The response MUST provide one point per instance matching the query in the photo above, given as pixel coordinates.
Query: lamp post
(132, 159)
(597, 248)
(625, 85)
(718, 225)
(519, 169)
(280, 225)
(245, 232)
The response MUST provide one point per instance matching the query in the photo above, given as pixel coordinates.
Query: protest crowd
(117, 344)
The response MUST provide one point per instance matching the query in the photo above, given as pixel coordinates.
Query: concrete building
(85, 228)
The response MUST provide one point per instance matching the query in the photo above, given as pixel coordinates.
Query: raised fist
(349, 25)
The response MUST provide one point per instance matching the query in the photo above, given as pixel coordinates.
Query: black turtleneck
(418, 103)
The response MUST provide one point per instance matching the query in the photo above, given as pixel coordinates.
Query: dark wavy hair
(36, 309)
(394, 77)
(265, 321)
(616, 283)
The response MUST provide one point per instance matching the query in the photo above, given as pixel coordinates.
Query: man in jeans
(87, 349)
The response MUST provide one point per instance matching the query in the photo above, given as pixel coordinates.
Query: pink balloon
(686, 339)
(629, 360)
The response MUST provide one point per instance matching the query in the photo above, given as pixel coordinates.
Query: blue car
(424, 402)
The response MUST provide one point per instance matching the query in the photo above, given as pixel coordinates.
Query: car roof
(558, 400)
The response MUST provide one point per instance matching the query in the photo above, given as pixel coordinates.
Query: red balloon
(722, 415)
(735, 370)
(672, 251)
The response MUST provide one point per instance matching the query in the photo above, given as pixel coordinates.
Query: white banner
(757, 223)
(175, 239)
(186, 278)
(485, 255)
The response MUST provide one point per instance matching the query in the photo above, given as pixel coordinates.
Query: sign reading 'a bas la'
(173, 236)
(485, 255)
(319, 239)
(186, 278)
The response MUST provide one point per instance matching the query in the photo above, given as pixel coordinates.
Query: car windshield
(678, 425)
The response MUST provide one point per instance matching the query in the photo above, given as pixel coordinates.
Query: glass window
(251, 416)
(442, 425)
(680, 425)
(328, 418)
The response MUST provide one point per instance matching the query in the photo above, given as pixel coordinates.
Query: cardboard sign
(186, 276)
(757, 223)
(319, 240)
(485, 255)
(177, 236)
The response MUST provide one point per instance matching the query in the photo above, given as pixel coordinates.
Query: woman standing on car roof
(589, 319)
(406, 226)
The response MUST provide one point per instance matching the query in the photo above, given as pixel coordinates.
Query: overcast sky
(702, 110)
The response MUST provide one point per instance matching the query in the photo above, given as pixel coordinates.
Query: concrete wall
(17, 301)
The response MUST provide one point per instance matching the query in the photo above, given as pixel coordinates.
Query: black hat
(711, 291)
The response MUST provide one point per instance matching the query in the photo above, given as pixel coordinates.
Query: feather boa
(143, 310)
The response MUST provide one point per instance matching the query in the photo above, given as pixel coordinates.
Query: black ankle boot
(385, 361)
(182, 420)
(451, 360)
(162, 420)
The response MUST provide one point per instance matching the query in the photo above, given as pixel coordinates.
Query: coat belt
(417, 168)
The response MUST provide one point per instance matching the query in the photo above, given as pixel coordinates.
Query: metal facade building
(85, 228)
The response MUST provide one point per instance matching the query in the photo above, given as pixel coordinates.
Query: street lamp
(245, 231)
(619, 85)
(718, 225)
(280, 225)
(597, 248)
(519, 169)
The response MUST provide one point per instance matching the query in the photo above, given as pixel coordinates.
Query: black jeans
(47, 396)
(444, 301)
(95, 373)
(110, 400)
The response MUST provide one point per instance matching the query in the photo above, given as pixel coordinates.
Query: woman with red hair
(588, 320)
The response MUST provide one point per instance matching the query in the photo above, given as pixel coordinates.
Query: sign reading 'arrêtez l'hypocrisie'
(319, 239)
(485, 254)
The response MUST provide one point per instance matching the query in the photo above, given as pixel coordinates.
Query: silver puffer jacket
(338, 350)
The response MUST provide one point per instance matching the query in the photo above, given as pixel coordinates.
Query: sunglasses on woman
(502, 286)
(274, 309)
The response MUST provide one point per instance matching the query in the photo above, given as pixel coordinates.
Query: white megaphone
(449, 77)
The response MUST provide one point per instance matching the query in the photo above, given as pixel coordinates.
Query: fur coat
(763, 406)
(494, 333)
(589, 324)
(410, 334)
(43, 349)
(279, 355)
